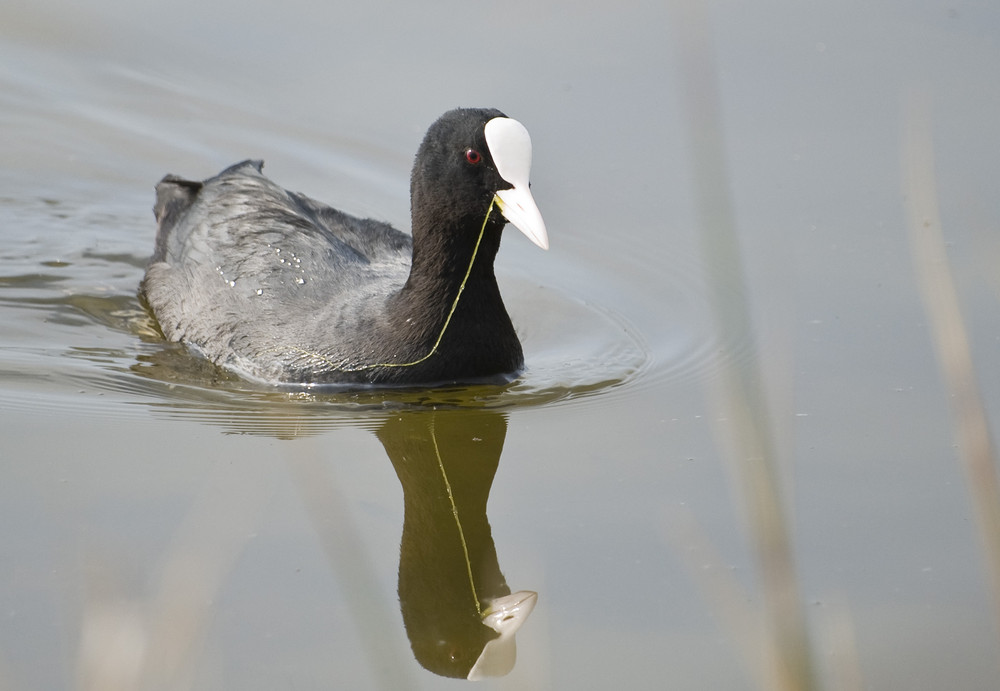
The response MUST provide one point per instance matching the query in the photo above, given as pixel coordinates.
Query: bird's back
(265, 281)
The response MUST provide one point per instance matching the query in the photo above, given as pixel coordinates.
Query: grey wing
(241, 266)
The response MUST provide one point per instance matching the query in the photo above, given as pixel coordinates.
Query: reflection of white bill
(505, 616)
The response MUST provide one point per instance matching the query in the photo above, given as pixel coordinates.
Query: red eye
(473, 156)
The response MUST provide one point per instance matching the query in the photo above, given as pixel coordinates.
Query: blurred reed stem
(951, 342)
(328, 511)
(742, 402)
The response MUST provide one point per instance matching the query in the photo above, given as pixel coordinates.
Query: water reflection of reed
(944, 312)
(776, 642)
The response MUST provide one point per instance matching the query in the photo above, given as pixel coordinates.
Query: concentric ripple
(78, 339)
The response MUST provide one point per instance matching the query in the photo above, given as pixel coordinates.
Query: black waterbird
(283, 289)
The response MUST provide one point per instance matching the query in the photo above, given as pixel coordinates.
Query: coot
(283, 289)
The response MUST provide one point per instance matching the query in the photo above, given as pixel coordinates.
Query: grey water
(165, 525)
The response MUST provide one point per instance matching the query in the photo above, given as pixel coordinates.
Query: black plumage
(280, 288)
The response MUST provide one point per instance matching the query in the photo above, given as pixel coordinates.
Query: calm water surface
(165, 525)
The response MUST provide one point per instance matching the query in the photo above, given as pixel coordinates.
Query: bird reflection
(460, 616)
(459, 613)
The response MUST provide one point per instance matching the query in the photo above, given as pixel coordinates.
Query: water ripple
(80, 334)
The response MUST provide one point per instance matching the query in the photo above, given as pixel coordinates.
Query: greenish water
(165, 525)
